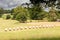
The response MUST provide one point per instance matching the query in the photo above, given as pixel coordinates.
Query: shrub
(51, 18)
(21, 17)
(14, 16)
(11, 17)
(6, 16)
(1, 15)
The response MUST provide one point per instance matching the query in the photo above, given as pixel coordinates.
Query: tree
(49, 3)
(21, 17)
(52, 15)
(58, 14)
(20, 14)
(36, 13)
(42, 1)
(1, 12)
(7, 11)
(58, 4)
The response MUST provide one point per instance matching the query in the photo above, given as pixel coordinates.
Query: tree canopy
(41, 1)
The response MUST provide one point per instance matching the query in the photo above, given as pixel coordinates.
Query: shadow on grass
(38, 39)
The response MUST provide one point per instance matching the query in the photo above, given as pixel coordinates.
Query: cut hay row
(29, 27)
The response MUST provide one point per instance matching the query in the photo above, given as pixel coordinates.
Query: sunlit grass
(31, 34)
(27, 34)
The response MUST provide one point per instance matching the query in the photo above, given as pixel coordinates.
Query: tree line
(34, 12)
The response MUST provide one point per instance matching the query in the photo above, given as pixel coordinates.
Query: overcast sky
(8, 4)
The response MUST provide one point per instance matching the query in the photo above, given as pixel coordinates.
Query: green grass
(32, 34)
(27, 34)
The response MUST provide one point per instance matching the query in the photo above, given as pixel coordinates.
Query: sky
(9, 4)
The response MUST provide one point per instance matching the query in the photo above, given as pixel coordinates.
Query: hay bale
(25, 28)
(17, 28)
(14, 29)
(33, 27)
(21, 28)
(36, 26)
(47, 26)
(29, 27)
(52, 26)
(10, 29)
(6, 29)
(40, 26)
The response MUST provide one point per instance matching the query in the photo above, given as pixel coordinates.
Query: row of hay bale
(29, 27)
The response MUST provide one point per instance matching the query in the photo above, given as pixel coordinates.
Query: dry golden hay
(21, 28)
(6, 29)
(17, 28)
(25, 27)
(33, 27)
(30, 27)
(10, 29)
(14, 29)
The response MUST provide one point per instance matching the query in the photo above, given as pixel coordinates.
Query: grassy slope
(31, 34)
(36, 34)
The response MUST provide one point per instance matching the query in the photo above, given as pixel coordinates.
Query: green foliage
(1, 15)
(21, 17)
(36, 13)
(1, 11)
(52, 19)
(11, 16)
(20, 14)
(58, 14)
(6, 16)
(14, 15)
(7, 11)
(20, 9)
(52, 15)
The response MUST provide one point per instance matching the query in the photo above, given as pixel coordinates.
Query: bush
(11, 16)
(6, 16)
(21, 17)
(1, 15)
(58, 14)
(14, 16)
(51, 18)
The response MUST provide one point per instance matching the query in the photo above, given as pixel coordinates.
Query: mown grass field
(28, 34)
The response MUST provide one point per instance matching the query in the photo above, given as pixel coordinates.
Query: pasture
(29, 31)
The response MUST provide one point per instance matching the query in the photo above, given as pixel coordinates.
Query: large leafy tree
(49, 3)
(36, 13)
(20, 14)
(42, 1)
(58, 7)
(1, 12)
